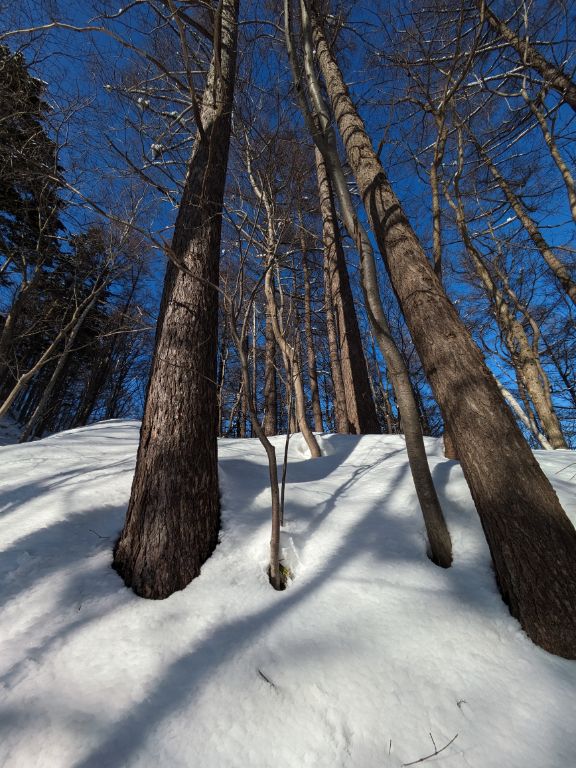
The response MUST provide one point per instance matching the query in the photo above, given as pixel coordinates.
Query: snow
(370, 652)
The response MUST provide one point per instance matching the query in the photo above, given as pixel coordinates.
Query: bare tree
(552, 74)
(531, 540)
(173, 516)
(437, 531)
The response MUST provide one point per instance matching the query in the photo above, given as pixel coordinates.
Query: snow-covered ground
(369, 653)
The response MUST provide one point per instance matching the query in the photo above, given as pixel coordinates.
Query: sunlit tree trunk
(173, 516)
(532, 542)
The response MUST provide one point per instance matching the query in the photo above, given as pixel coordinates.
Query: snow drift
(370, 653)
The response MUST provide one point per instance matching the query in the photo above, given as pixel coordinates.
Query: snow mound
(369, 652)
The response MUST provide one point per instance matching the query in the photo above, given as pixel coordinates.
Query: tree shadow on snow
(386, 539)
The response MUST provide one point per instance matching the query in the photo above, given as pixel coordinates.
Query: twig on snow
(432, 754)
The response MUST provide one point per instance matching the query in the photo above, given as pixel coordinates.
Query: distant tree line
(72, 343)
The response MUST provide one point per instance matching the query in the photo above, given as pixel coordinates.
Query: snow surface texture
(369, 651)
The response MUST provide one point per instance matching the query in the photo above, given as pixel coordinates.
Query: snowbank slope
(371, 648)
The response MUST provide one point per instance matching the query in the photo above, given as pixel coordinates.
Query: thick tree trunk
(532, 542)
(173, 517)
(312, 369)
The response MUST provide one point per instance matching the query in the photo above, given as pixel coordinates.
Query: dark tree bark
(330, 238)
(440, 546)
(360, 408)
(359, 400)
(58, 375)
(532, 542)
(270, 389)
(319, 123)
(312, 369)
(173, 517)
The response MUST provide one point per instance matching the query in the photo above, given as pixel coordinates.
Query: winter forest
(287, 383)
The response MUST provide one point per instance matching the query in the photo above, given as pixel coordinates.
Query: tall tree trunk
(440, 545)
(553, 75)
(532, 542)
(173, 516)
(312, 369)
(270, 389)
(360, 407)
(292, 365)
(330, 238)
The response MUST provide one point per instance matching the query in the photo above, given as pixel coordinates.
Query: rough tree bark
(440, 545)
(173, 516)
(532, 542)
